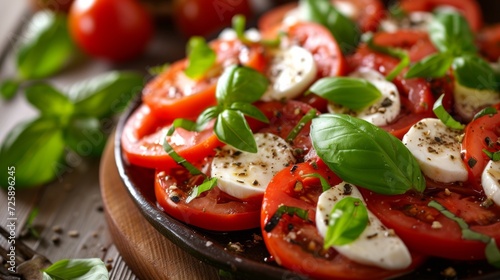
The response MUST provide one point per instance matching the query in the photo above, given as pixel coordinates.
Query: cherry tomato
(173, 95)
(366, 13)
(489, 42)
(213, 210)
(116, 30)
(481, 133)
(143, 136)
(304, 253)
(424, 229)
(469, 8)
(201, 17)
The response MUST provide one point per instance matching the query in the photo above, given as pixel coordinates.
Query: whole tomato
(204, 17)
(115, 30)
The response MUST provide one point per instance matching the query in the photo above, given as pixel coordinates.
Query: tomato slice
(173, 95)
(366, 13)
(424, 229)
(481, 133)
(213, 210)
(469, 8)
(143, 136)
(489, 42)
(295, 243)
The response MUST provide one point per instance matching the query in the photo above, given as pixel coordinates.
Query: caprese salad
(360, 139)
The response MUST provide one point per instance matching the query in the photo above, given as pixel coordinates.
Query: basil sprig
(237, 89)
(282, 210)
(347, 220)
(444, 116)
(452, 36)
(75, 119)
(365, 155)
(352, 93)
(200, 57)
(77, 269)
(344, 30)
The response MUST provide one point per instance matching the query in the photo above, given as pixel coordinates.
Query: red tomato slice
(481, 133)
(213, 210)
(489, 42)
(367, 14)
(173, 95)
(413, 220)
(469, 8)
(304, 252)
(142, 141)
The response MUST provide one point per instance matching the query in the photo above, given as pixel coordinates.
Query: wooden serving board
(149, 254)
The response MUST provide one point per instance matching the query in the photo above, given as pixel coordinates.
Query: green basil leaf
(365, 155)
(450, 32)
(200, 57)
(232, 129)
(204, 187)
(240, 84)
(182, 123)
(324, 183)
(180, 160)
(492, 253)
(432, 66)
(311, 114)
(344, 30)
(106, 94)
(35, 149)
(282, 210)
(207, 115)
(9, 88)
(47, 46)
(444, 116)
(239, 24)
(347, 220)
(85, 137)
(48, 100)
(474, 72)
(349, 92)
(493, 156)
(77, 269)
(249, 110)
(486, 111)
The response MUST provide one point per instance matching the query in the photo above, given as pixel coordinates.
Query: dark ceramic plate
(212, 247)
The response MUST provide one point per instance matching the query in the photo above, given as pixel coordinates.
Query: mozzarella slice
(244, 175)
(490, 179)
(384, 110)
(469, 101)
(437, 150)
(251, 34)
(377, 245)
(290, 72)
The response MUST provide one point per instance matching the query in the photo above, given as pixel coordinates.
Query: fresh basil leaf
(47, 46)
(180, 160)
(349, 92)
(232, 129)
(347, 220)
(204, 187)
(493, 156)
(49, 101)
(249, 110)
(492, 253)
(207, 115)
(239, 24)
(474, 72)
(444, 116)
(35, 149)
(9, 88)
(450, 32)
(240, 84)
(365, 155)
(77, 269)
(182, 123)
(432, 66)
(344, 30)
(282, 210)
(486, 111)
(105, 94)
(200, 57)
(85, 137)
(311, 114)
(324, 183)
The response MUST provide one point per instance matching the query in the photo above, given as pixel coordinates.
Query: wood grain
(149, 254)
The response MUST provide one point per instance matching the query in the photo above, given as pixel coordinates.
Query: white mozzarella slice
(490, 179)
(469, 101)
(384, 110)
(251, 34)
(244, 175)
(290, 72)
(377, 245)
(436, 148)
